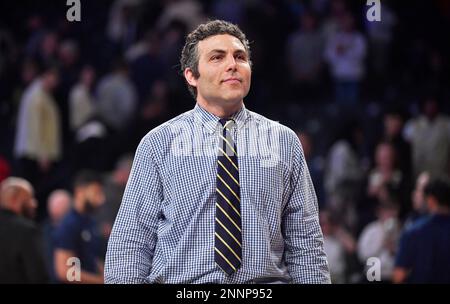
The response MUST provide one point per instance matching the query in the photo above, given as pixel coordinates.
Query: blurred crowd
(368, 100)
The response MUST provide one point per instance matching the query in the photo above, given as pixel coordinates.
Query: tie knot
(227, 122)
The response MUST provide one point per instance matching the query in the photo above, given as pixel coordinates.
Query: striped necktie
(228, 239)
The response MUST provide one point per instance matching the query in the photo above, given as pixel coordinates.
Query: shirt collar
(210, 121)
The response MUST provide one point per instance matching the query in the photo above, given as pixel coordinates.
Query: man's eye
(242, 57)
(216, 57)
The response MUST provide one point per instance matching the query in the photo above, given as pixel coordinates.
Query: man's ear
(190, 78)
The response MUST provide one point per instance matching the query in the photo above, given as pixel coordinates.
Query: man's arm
(133, 238)
(399, 275)
(33, 257)
(61, 269)
(404, 258)
(304, 255)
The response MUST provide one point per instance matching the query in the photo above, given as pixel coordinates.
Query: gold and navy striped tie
(228, 237)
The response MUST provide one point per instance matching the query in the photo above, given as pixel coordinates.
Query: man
(114, 187)
(58, 205)
(218, 194)
(77, 236)
(345, 53)
(429, 136)
(22, 259)
(424, 250)
(419, 204)
(38, 138)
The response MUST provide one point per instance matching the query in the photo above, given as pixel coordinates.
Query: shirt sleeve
(304, 254)
(405, 253)
(66, 236)
(133, 238)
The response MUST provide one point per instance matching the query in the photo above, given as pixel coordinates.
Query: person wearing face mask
(77, 240)
(22, 259)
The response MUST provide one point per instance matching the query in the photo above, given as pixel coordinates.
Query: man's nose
(231, 63)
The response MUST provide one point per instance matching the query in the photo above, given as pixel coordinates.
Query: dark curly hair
(189, 54)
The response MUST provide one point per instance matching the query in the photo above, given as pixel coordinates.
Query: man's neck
(220, 110)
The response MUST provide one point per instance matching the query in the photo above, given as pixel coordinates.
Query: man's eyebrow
(239, 51)
(216, 51)
(220, 51)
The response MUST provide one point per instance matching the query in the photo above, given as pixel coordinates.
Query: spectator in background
(38, 138)
(345, 53)
(337, 10)
(154, 111)
(339, 245)
(380, 35)
(146, 65)
(304, 54)
(28, 73)
(58, 205)
(393, 122)
(424, 249)
(35, 32)
(172, 41)
(68, 58)
(315, 164)
(343, 175)
(78, 235)
(384, 171)
(429, 135)
(379, 238)
(81, 99)
(46, 54)
(116, 97)
(419, 204)
(122, 24)
(385, 177)
(114, 187)
(22, 259)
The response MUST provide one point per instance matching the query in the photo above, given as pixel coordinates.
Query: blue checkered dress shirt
(164, 231)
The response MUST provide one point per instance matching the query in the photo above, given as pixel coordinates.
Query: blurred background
(368, 100)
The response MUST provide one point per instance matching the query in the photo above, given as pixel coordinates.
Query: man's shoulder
(17, 223)
(71, 222)
(166, 127)
(263, 121)
(419, 227)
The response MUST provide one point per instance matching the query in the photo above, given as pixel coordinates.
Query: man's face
(418, 197)
(393, 125)
(224, 70)
(94, 196)
(28, 204)
(58, 207)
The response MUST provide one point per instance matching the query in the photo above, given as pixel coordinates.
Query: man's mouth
(232, 80)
